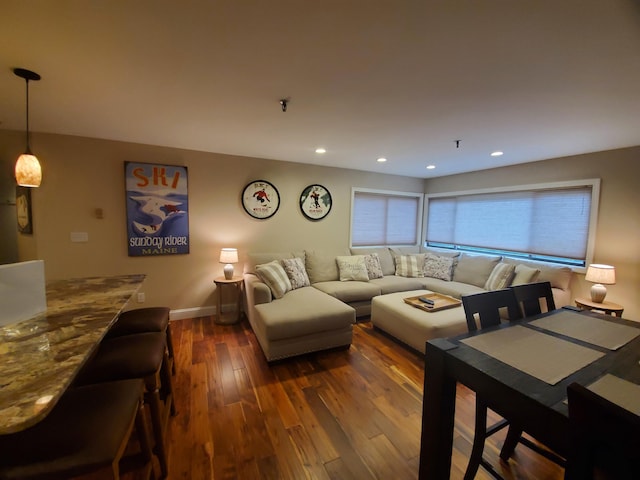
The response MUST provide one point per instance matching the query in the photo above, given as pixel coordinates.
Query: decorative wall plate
(315, 202)
(260, 199)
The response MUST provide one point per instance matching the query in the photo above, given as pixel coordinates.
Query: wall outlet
(141, 298)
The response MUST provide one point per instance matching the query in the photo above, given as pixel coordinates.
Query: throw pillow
(275, 277)
(474, 269)
(374, 269)
(294, 267)
(410, 265)
(500, 277)
(436, 266)
(524, 274)
(352, 267)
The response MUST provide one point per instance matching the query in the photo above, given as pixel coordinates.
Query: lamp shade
(229, 255)
(28, 171)
(598, 273)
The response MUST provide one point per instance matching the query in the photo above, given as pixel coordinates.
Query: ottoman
(411, 325)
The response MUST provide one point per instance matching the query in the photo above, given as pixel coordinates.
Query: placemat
(589, 329)
(619, 391)
(547, 358)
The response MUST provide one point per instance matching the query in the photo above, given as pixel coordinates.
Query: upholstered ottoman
(412, 325)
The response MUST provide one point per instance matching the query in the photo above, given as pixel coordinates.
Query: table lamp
(228, 256)
(600, 275)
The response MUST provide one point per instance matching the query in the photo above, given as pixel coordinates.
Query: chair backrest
(528, 296)
(489, 306)
(605, 438)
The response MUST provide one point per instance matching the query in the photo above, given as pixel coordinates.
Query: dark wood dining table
(40, 356)
(539, 406)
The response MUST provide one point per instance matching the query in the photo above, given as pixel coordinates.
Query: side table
(221, 282)
(607, 307)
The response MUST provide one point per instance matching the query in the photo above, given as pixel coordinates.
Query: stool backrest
(529, 295)
(490, 307)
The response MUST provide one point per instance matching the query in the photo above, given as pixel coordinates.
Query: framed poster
(23, 209)
(157, 209)
(260, 199)
(315, 202)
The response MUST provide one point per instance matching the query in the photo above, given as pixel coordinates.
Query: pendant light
(28, 171)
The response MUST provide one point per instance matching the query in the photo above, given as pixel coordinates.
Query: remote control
(426, 300)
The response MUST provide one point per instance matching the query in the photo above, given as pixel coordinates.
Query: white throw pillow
(500, 277)
(294, 267)
(410, 265)
(352, 267)
(437, 266)
(275, 277)
(524, 274)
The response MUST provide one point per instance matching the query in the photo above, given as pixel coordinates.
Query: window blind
(541, 222)
(384, 219)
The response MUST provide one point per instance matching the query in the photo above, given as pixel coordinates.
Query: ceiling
(401, 79)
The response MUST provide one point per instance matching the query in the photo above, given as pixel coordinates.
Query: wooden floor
(341, 414)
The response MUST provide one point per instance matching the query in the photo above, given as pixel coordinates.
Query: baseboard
(183, 313)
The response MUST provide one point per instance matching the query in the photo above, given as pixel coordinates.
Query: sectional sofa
(304, 301)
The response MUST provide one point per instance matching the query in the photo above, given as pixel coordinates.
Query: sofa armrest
(257, 292)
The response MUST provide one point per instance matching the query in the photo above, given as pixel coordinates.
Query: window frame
(593, 183)
(419, 196)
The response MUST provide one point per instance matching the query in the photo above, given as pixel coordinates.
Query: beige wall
(82, 174)
(618, 233)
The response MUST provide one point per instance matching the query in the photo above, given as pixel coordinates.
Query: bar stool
(143, 355)
(144, 320)
(87, 431)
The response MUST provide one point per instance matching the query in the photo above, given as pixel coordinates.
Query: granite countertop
(39, 357)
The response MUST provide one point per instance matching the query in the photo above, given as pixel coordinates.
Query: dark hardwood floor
(341, 414)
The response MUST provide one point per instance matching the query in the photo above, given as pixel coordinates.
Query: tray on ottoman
(440, 302)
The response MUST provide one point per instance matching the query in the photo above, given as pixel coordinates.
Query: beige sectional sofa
(313, 305)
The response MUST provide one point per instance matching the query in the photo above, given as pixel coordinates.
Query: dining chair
(489, 308)
(90, 430)
(529, 296)
(605, 438)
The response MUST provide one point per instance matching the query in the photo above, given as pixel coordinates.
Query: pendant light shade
(28, 171)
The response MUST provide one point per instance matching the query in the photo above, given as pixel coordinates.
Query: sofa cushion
(437, 266)
(259, 258)
(384, 255)
(275, 277)
(294, 267)
(349, 291)
(322, 266)
(524, 274)
(352, 267)
(392, 284)
(500, 277)
(453, 289)
(374, 269)
(304, 311)
(410, 265)
(474, 269)
(559, 277)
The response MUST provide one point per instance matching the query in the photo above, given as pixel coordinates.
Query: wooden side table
(221, 282)
(606, 307)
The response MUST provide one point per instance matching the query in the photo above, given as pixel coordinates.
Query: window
(552, 222)
(381, 218)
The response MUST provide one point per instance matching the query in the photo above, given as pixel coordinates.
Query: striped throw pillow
(410, 265)
(275, 277)
(500, 276)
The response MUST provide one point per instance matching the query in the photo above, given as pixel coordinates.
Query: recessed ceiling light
(430, 167)
(382, 160)
(321, 150)
(496, 154)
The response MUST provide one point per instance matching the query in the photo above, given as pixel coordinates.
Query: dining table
(41, 355)
(522, 370)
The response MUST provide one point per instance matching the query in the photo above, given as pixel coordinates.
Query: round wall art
(260, 199)
(315, 202)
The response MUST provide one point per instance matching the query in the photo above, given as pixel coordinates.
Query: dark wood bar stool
(87, 431)
(145, 320)
(144, 356)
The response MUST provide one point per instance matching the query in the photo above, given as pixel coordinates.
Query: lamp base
(598, 292)
(228, 271)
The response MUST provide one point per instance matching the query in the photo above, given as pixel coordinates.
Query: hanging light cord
(28, 144)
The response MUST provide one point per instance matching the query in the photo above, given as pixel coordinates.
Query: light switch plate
(79, 237)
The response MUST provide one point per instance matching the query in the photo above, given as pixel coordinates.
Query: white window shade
(540, 222)
(385, 219)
